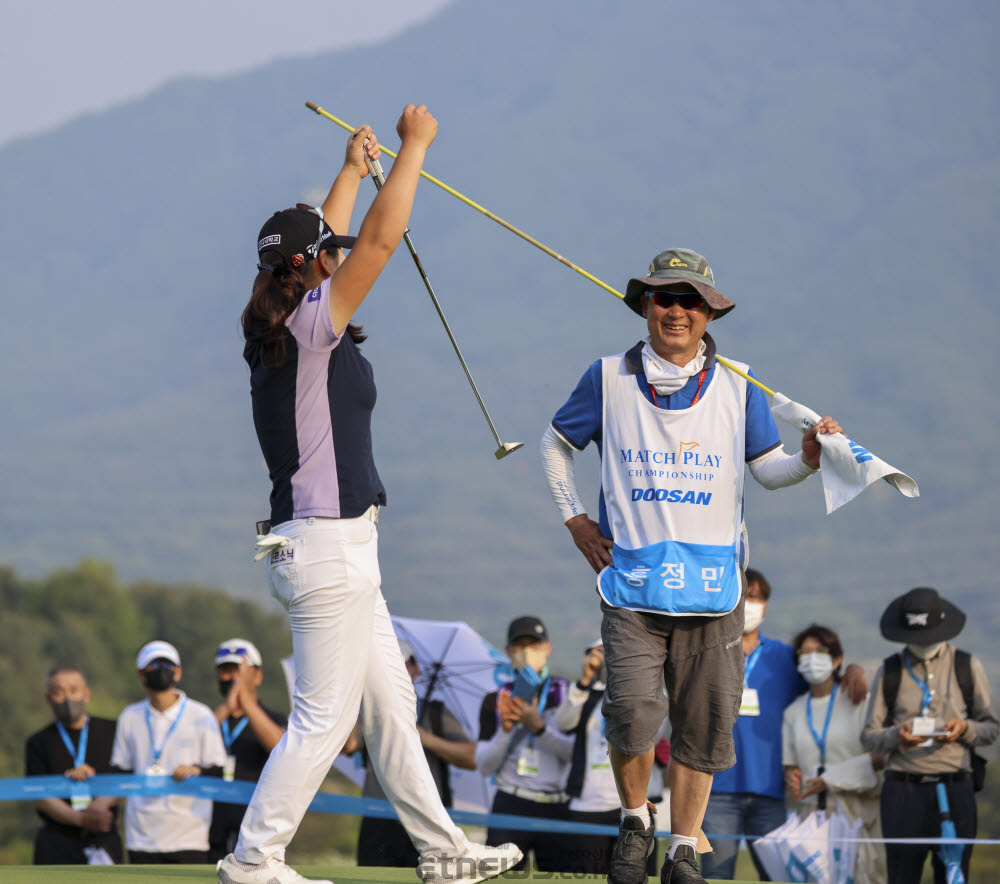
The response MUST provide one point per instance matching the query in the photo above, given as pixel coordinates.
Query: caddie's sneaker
(682, 869)
(628, 862)
(478, 863)
(271, 871)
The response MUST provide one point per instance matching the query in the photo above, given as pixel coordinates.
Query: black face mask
(68, 711)
(159, 679)
(226, 686)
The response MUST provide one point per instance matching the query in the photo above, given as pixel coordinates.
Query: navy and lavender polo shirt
(313, 418)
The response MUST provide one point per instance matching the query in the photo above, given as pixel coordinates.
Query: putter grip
(375, 170)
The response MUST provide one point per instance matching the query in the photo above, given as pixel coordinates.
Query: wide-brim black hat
(921, 617)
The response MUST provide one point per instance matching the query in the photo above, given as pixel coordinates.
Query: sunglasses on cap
(237, 650)
(687, 300)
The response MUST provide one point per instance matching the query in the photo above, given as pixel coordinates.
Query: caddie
(674, 431)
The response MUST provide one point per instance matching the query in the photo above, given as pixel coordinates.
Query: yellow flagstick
(553, 254)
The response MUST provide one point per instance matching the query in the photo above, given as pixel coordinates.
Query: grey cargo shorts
(700, 659)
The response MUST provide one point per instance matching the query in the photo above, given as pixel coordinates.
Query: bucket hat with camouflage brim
(679, 265)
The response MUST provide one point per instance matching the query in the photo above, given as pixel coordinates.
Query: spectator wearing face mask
(825, 763)
(249, 733)
(749, 798)
(80, 830)
(167, 734)
(520, 744)
(929, 711)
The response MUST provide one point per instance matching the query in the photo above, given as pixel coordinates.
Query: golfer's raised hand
(810, 447)
(416, 125)
(596, 548)
(357, 148)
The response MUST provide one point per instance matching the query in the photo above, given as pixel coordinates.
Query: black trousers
(177, 857)
(385, 843)
(910, 810)
(57, 848)
(550, 850)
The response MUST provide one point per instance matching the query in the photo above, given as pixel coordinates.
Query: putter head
(506, 448)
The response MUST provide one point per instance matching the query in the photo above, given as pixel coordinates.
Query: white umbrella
(459, 668)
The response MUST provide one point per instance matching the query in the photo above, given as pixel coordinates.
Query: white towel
(847, 469)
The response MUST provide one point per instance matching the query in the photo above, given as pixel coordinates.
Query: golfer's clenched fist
(416, 123)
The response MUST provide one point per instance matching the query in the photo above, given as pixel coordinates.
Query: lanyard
(227, 737)
(80, 753)
(697, 396)
(924, 688)
(751, 661)
(821, 740)
(149, 727)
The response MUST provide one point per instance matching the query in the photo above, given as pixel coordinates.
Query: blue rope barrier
(240, 791)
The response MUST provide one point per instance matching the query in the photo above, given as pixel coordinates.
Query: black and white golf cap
(297, 236)
(522, 627)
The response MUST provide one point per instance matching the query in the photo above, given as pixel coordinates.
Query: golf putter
(503, 448)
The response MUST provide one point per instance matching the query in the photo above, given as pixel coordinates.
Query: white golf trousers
(346, 658)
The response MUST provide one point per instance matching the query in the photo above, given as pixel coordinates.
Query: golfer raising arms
(313, 394)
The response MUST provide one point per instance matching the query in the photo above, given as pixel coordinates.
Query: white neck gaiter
(666, 377)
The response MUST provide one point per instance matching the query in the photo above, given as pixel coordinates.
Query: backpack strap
(963, 673)
(892, 673)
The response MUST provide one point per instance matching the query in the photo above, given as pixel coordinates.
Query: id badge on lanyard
(527, 762)
(156, 769)
(79, 792)
(602, 761)
(750, 703)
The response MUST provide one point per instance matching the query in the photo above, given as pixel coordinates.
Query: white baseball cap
(235, 650)
(597, 643)
(405, 648)
(156, 650)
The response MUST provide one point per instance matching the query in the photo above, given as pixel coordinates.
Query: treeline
(87, 617)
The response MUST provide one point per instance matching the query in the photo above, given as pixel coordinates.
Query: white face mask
(534, 656)
(753, 616)
(924, 652)
(816, 667)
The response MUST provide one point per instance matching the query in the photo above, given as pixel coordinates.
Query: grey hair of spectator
(59, 670)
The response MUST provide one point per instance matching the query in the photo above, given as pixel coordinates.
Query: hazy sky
(63, 58)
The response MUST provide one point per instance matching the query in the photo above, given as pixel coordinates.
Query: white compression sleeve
(560, 473)
(776, 469)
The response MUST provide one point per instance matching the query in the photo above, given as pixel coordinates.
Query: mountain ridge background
(838, 165)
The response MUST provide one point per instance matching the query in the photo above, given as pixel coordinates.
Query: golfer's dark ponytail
(276, 293)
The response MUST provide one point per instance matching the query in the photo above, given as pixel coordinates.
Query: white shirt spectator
(173, 822)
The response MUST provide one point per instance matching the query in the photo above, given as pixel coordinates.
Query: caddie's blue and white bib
(673, 487)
